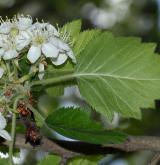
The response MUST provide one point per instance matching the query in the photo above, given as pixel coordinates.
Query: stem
(37, 114)
(13, 139)
(54, 80)
(13, 128)
(8, 70)
(66, 71)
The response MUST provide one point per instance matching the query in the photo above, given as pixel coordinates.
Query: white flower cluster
(40, 40)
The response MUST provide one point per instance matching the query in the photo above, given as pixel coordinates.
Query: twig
(46, 145)
(68, 149)
(11, 144)
(137, 143)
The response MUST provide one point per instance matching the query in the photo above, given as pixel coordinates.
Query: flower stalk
(13, 129)
(13, 139)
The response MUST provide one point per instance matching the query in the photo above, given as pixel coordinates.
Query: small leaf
(77, 124)
(118, 74)
(83, 39)
(50, 160)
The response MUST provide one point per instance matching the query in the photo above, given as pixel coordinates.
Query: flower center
(39, 40)
(14, 32)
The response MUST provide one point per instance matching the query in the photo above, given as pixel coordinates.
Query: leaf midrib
(113, 76)
(100, 132)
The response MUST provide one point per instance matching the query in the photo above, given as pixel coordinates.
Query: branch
(69, 149)
(46, 145)
(137, 143)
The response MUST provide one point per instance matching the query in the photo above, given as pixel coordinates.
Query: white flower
(1, 72)
(48, 27)
(18, 29)
(8, 49)
(23, 22)
(46, 41)
(13, 26)
(22, 40)
(4, 133)
(23, 35)
(41, 45)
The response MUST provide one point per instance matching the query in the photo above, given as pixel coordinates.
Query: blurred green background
(127, 17)
(122, 17)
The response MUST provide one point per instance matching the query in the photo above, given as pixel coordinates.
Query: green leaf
(77, 124)
(83, 39)
(119, 75)
(85, 160)
(72, 29)
(50, 160)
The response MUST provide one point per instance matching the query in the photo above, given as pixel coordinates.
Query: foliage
(121, 73)
(77, 124)
(115, 75)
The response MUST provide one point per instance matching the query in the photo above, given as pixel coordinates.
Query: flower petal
(52, 29)
(3, 39)
(60, 44)
(5, 135)
(22, 40)
(24, 22)
(39, 25)
(71, 55)
(50, 50)
(62, 57)
(34, 53)
(1, 52)
(1, 74)
(10, 54)
(41, 71)
(5, 27)
(3, 122)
